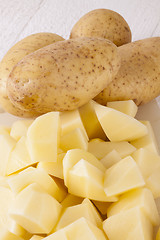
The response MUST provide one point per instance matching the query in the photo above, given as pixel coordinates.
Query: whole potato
(139, 75)
(64, 75)
(13, 56)
(103, 23)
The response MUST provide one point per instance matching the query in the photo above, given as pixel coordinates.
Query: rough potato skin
(139, 75)
(103, 23)
(63, 76)
(13, 56)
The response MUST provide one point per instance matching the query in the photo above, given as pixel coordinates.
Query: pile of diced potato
(92, 173)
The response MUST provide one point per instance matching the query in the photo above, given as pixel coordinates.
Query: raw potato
(138, 76)
(13, 56)
(63, 76)
(103, 23)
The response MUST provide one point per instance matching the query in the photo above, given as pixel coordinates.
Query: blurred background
(19, 18)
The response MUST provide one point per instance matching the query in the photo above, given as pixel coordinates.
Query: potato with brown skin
(63, 76)
(13, 56)
(138, 78)
(103, 23)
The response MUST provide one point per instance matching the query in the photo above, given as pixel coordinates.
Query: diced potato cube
(7, 143)
(4, 129)
(74, 139)
(142, 198)
(86, 180)
(147, 161)
(71, 200)
(130, 224)
(43, 138)
(19, 128)
(86, 209)
(148, 141)
(119, 126)
(53, 168)
(59, 235)
(6, 199)
(5, 234)
(122, 177)
(35, 210)
(90, 121)
(110, 159)
(32, 175)
(83, 229)
(73, 156)
(71, 120)
(153, 182)
(127, 106)
(19, 157)
(101, 148)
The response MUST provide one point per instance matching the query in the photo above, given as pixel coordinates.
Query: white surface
(19, 18)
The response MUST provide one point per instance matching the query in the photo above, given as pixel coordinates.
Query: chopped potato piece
(101, 148)
(148, 141)
(74, 139)
(90, 121)
(153, 182)
(35, 210)
(122, 177)
(142, 198)
(5, 234)
(7, 144)
(53, 168)
(130, 224)
(19, 157)
(43, 138)
(147, 161)
(127, 106)
(111, 158)
(119, 126)
(19, 128)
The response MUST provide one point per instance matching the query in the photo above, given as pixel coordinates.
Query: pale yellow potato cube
(90, 121)
(53, 168)
(83, 229)
(5, 234)
(74, 139)
(147, 161)
(73, 156)
(142, 198)
(122, 177)
(35, 210)
(86, 180)
(71, 200)
(86, 209)
(19, 128)
(111, 158)
(6, 199)
(31, 175)
(19, 231)
(7, 143)
(36, 237)
(148, 141)
(153, 182)
(101, 148)
(43, 138)
(4, 129)
(127, 106)
(129, 225)
(158, 235)
(19, 157)
(119, 126)
(71, 120)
